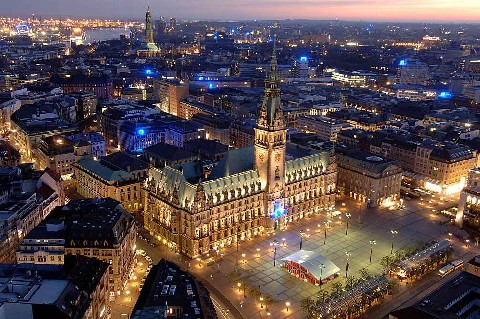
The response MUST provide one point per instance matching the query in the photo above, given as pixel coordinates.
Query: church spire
(149, 27)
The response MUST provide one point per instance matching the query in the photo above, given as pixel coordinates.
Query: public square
(418, 221)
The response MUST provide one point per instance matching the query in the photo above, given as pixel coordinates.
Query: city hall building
(253, 190)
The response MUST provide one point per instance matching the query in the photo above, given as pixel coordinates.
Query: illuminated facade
(267, 189)
(116, 176)
(469, 196)
(368, 178)
(99, 228)
(413, 72)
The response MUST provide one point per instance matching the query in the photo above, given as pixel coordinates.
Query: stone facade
(198, 217)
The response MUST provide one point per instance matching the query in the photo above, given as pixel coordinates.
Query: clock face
(277, 157)
(261, 156)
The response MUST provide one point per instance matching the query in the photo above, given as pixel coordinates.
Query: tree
(392, 286)
(364, 273)
(386, 263)
(337, 289)
(308, 304)
(322, 295)
(350, 282)
(419, 244)
(449, 252)
(398, 255)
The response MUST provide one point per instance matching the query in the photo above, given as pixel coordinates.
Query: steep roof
(103, 171)
(169, 152)
(234, 162)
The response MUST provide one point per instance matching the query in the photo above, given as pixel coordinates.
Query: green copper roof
(104, 172)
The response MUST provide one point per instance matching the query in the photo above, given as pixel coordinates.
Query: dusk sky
(419, 10)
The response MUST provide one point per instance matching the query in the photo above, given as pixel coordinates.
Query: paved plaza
(255, 257)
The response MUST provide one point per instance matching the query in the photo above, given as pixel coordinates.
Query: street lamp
(325, 233)
(302, 233)
(321, 273)
(243, 257)
(372, 242)
(261, 302)
(348, 254)
(394, 233)
(287, 304)
(274, 245)
(347, 215)
(239, 285)
(238, 230)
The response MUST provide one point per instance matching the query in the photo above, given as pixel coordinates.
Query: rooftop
(104, 172)
(457, 298)
(40, 291)
(87, 223)
(169, 152)
(311, 261)
(167, 284)
(122, 161)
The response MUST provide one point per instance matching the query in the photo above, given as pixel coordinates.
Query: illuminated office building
(275, 183)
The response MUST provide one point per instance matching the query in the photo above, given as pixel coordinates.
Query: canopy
(313, 261)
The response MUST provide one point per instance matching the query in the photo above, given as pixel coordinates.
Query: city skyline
(308, 159)
(374, 10)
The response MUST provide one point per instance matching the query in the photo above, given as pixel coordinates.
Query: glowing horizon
(380, 10)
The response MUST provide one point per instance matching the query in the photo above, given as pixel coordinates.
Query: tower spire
(271, 115)
(273, 64)
(149, 27)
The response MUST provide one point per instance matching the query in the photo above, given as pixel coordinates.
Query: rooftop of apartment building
(361, 161)
(168, 286)
(457, 298)
(122, 161)
(86, 223)
(56, 291)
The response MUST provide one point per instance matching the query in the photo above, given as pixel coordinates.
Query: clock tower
(270, 145)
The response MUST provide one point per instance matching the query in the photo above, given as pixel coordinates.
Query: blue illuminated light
(139, 150)
(402, 63)
(148, 72)
(248, 33)
(278, 210)
(22, 28)
(200, 78)
(303, 59)
(141, 131)
(445, 95)
(232, 31)
(210, 85)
